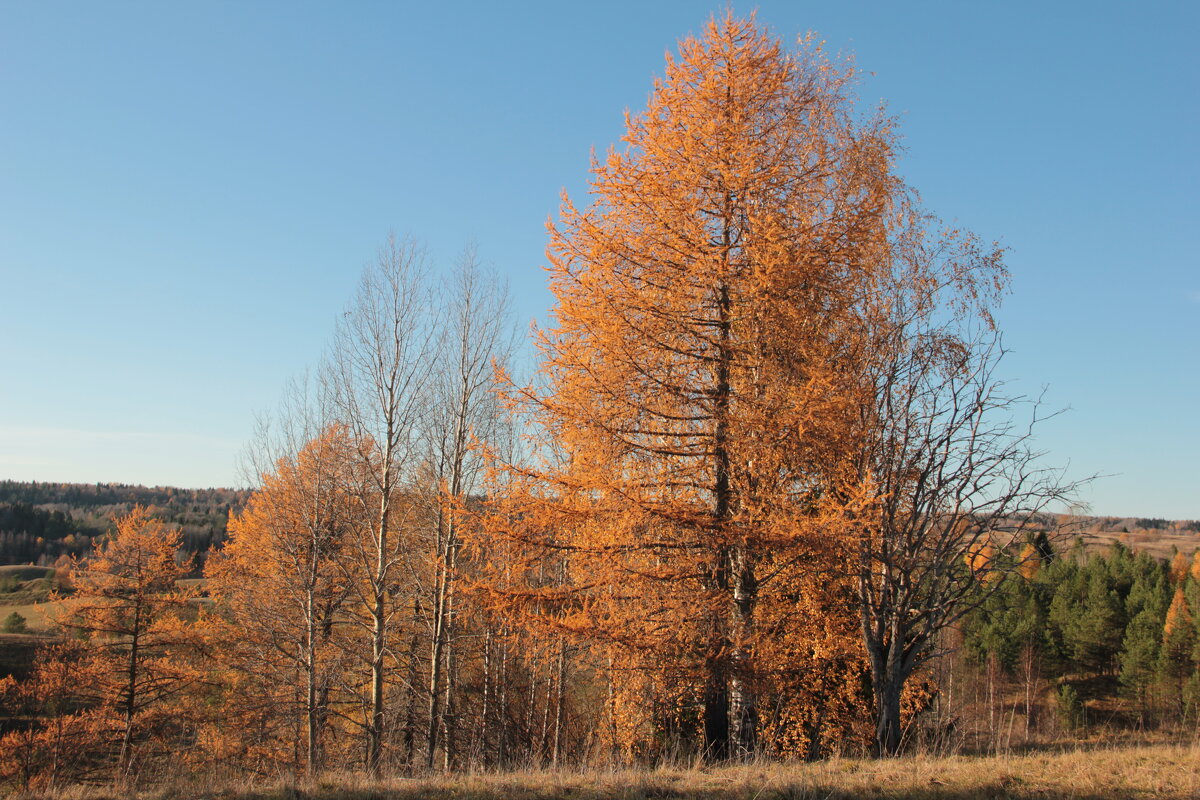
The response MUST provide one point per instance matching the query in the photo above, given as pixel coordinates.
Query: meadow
(1082, 770)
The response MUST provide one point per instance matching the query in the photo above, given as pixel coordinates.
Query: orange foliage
(1030, 562)
(64, 745)
(980, 557)
(108, 695)
(278, 593)
(696, 390)
(1178, 615)
(1180, 567)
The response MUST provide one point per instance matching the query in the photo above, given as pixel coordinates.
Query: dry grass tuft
(1170, 772)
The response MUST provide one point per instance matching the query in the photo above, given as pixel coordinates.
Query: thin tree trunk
(480, 747)
(312, 725)
(716, 689)
(125, 758)
(611, 705)
(437, 641)
(741, 693)
(544, 737)
(410, 722)
(558, 702)
(448, 721)
(991, 693)
(379, 627)
(502, 701)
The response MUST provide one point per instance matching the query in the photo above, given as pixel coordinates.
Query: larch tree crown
(698, 378)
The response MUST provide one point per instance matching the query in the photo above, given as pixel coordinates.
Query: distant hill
(40, 522)
(1156, 537)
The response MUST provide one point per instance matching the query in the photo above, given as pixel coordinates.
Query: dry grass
(25, 572)
(39, 617)
(1159, 544)
(1148, 771)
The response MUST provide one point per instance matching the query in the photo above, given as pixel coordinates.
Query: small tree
(127, 612)
(1146, 606)
(279, 593)
(15, 623)
(1176, 657)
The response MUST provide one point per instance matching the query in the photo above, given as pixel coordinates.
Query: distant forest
(41, 522)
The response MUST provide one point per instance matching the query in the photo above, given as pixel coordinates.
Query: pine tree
(1146, 607)
(1095, 631)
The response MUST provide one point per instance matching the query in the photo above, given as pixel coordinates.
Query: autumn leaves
(769, 413)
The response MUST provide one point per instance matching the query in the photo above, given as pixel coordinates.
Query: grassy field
(1158, 544)
(35, 614)
(25, 572)
(1170, 772)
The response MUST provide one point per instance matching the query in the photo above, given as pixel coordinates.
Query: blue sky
(189, 190)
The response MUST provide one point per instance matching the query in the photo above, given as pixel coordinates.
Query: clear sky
(188, 191)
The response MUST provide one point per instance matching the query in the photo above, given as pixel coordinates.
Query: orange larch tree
(1180, 568)
(694, 378)
(132, 617)
(279, 593)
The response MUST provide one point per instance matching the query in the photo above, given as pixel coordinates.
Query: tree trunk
(716, 711)
(888, 675)
(716, 690)
(558, 701)
(410, 722)
(448, 721)
(887, 710)
(502, 701)
(742, 707)
(480, 746)
(437, 642)
(312, 722)
(125, 758)
(379, 620)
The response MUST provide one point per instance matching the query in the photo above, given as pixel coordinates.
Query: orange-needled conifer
(130, 620)
(695, 382)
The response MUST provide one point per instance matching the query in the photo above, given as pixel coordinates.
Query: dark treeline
(41, 521)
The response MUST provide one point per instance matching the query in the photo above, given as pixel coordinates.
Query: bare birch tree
(383, 358)
(476, 336)
(948, 459)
